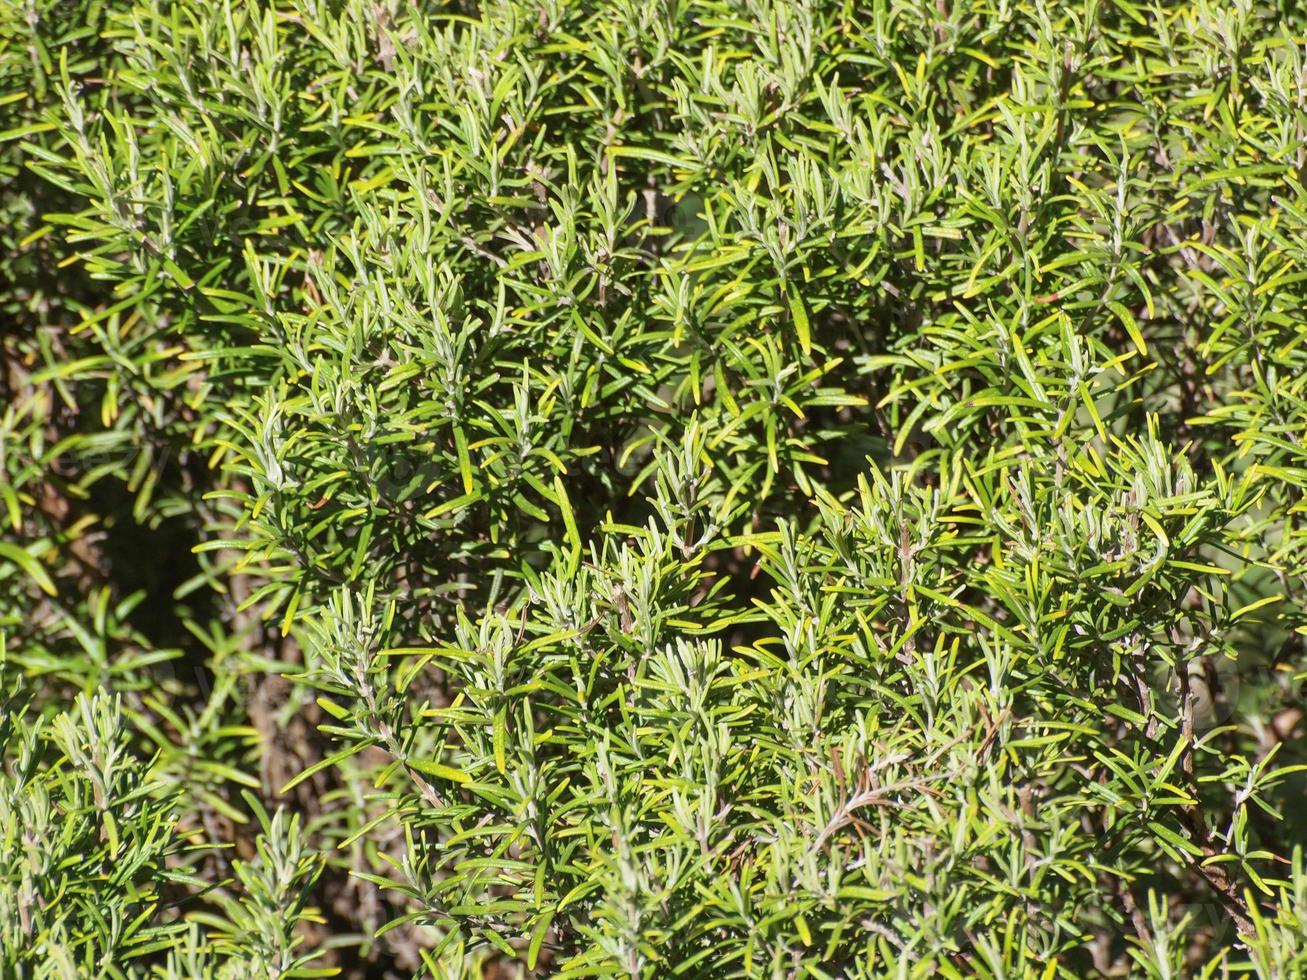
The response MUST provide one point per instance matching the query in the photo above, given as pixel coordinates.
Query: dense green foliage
(711, 488)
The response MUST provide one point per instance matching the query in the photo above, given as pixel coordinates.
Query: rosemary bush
(711, 488)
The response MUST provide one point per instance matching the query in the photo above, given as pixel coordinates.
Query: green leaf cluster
(711, 488)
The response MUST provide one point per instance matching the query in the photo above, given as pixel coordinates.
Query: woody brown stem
(1191, 815)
